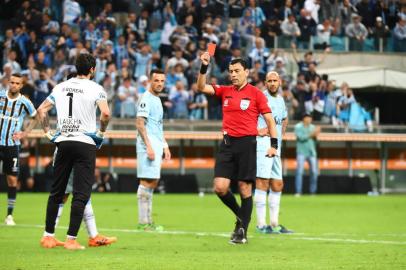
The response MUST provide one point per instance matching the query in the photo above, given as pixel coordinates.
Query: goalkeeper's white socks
(58, 216)
(144, 196)
(90, 220)
(274, 200)
(260, 204)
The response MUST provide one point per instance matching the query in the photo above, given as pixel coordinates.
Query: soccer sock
(231, 202)
(144, 197)
(149, 212)
(90, 220)
(260, 203)
(246, 211)
(274, 200)
(11, 199)
(58, 217)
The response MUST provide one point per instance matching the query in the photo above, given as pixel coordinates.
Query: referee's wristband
(274, 143)
(203, 69)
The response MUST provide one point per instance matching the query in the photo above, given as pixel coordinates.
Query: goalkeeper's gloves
(51, 135)
(97, 137)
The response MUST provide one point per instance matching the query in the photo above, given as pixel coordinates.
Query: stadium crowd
(42, 38)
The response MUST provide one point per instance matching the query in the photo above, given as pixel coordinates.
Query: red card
(211, 48)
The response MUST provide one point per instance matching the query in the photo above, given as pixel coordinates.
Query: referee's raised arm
(201, 78)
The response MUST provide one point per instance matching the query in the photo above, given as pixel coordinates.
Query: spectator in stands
(308, 59)
(128, 97)
(191, 31)
(11, 60)
(290, 31)
(208, 33)
(291, 102)
(314, 104)
(71, 11)
(257, 14)
(307, 26)
(198, 104)
(366, 10)
(344, 105)
(313, 7)
(177, 59)
(143, 60)
(324, 31)
(300, 93)
(143, 85)
(399, 35)
(180, 99)
(357, 33)
(28, 89)
(236, 9)
(346, 9)
(259, 54)
(380, 32)
(43, 87)
(269, 30)
(306, 136)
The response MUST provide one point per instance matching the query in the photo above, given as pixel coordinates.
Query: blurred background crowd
(42, 38)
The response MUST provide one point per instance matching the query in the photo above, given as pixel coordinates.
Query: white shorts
(268, 168)
(149, 169)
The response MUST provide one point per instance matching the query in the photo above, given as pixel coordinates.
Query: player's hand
(97, 137)
(167, 154)
(272, 152)
(205, 58)
(51, 135)
(150, 153)
(19, 135)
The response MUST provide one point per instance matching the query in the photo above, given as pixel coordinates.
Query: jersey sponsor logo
(244, 104)
(72, 90)
(142, 105)
(102, 96)
(70, 125)
(226, 103)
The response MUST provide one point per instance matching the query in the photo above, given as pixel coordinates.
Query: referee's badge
(244, 104)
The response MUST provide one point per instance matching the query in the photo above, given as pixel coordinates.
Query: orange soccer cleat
(72, 244)
(101, 240)
(50, 242)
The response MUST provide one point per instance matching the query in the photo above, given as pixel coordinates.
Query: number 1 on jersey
(70, 95)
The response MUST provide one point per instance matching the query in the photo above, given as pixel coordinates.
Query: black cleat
(238, 225)
(240, 237)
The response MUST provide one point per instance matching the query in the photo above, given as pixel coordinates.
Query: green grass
(333, 232)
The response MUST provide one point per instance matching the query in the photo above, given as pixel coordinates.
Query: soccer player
(151, 145)
(236, 160)
(77, 139)
(269, 170)
(13, 109)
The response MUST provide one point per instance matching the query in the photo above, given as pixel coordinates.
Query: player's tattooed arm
(140, 123)
(43, 114)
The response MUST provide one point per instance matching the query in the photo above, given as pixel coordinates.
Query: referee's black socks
(231, 202)
(246, 211)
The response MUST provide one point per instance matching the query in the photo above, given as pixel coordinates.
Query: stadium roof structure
(367, 77)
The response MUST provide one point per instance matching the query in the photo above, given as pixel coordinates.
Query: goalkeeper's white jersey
(76, 102)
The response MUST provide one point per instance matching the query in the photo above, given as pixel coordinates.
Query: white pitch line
(294, 236)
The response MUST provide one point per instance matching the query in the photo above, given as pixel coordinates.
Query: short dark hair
(71, 75)
(156, 71)
(241, 61)
(18, 75)
(84, 63)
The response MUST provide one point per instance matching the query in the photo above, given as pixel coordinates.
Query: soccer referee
(242, 104)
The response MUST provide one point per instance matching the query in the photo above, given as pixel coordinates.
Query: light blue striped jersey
(279, 113)
(12, 113)
(150, 107)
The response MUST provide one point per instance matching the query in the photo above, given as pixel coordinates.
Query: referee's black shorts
(79, 157)
(236, 160)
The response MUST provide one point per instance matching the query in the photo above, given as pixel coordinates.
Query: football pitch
(331, 232)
